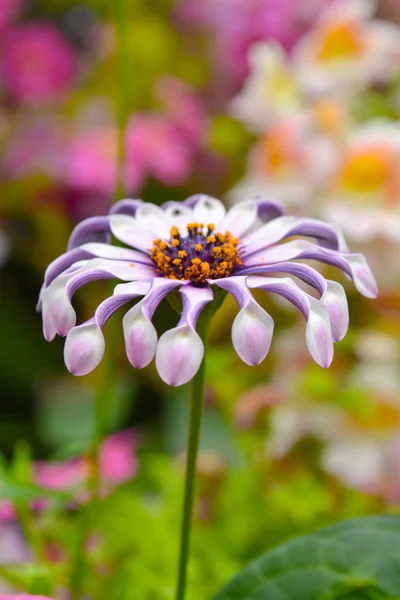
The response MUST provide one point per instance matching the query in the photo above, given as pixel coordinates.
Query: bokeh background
(298, 101)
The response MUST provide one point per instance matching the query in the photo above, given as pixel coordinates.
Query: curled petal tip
(140, 342)
(179, 355)
(335, 301)
(319, 334)
(84, 349)
(252, 332)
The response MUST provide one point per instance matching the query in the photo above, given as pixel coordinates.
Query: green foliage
(354, 559)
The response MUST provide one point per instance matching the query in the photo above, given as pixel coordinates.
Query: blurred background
(297, 101)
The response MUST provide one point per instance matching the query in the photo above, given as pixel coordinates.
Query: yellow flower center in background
(366, 171)
(199, 256)
(340, 41)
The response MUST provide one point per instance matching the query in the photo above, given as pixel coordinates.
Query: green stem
(196, 411)
(123, 78)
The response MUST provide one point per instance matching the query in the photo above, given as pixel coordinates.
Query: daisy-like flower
(270, 92)
(347, 49)
(365, 192)
(198, 248)
(291, 161)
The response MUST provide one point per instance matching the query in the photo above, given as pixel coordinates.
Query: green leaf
(356, 559)
(32, 578)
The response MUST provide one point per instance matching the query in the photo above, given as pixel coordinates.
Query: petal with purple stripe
(93, 229)
(139, 332)
(57, 297)
(92, 250)
(84, 346)
(332, 294)
(180, 350)
(127, 206)
(283, 227)
(268, 210)
(319, 338)
(253, 327)
(353, 265)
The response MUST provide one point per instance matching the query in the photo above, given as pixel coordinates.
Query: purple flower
(198, 248)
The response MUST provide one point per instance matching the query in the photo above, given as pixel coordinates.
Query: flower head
(270, 92)
(291, 161)
(197, 248)
(365, 192)
(347, 49)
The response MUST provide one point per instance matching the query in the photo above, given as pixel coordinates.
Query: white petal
(252, 332)
(319, 334)
(179, 215)
(362, 275)
(126, 230)
(209, 210)
(140, 339)
(152, 218)
(84, 349)
(240, 218)
(335, 301)
(58, 306)
(179, 355)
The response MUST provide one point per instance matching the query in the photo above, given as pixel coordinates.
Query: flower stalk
(196, 413)
(121, 21)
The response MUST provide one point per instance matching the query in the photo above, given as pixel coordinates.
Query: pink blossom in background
(91, 162)
(156, 147)
(9, 9)
(61, 475)
(37, 63)
(7, 511)
(237, 24)
(36, 146)
(118, 460)
(163, 153)
(118, 463)
(183, 108)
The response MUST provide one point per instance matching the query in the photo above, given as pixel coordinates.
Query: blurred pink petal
(237, 24)
(154, 143)
(37, 63)
(118, 460)
(183, 108)
(7, 512)
(9, 9)
(61, 475)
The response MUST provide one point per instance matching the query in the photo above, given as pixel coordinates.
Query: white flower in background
(290, 162)
(359, 461)
(291, 423)
(270, 91)
(377, 369)
(347, 49)
(365, 192)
